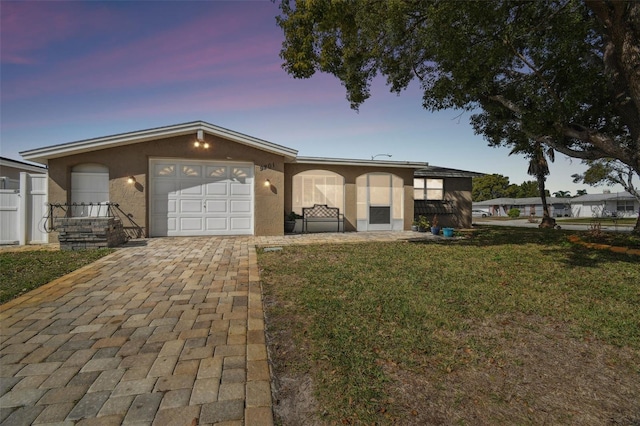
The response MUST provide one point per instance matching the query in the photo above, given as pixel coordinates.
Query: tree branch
(510, 105)
(535, 70)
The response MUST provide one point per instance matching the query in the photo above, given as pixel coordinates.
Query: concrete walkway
(166, 331)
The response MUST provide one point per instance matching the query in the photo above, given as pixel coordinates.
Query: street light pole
(378, 155)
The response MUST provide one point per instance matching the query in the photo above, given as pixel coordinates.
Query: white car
(480, 213)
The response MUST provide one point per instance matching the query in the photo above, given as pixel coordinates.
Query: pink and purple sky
(78, 70)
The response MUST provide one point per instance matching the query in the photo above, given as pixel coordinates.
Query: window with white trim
(428, 189)
(317, 187)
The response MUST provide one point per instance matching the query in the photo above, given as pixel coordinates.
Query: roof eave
(42, 155)
(358, 162)
(8, 162)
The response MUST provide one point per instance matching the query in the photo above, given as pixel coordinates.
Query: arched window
(89, 186)
(317, 187)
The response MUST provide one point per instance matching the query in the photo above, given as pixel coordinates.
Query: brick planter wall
(78, 233)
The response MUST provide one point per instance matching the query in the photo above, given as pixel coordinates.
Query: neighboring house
(200, 179)
(10, 172)
(620, 204)
(559, 207)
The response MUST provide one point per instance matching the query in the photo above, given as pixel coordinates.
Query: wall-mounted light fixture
(131, 180)
(267, 182)
(200, 143)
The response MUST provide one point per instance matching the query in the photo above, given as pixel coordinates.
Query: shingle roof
(592, 198)
(436, 171)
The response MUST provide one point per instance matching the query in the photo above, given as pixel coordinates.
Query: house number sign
(268, 166)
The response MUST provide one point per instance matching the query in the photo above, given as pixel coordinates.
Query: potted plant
(423, 224)
(414, 225)
(290, 222)
(435, 229)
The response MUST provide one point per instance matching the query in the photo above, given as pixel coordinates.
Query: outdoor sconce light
(267, 182)
(131, 180)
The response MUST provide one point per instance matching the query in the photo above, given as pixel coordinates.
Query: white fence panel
(9, 216)
(23, 212)
(36, 211)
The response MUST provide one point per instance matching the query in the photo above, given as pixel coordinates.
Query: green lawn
(22, 271)
(369, 322)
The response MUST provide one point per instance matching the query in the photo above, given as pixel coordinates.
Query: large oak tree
(562, 73)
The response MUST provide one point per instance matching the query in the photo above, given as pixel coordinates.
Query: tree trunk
(547, 220)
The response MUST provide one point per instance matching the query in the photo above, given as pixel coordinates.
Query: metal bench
(321, 213)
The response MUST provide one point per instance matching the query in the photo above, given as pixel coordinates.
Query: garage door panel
(219, 224)
(238, 206)
(163, 226)
(191, 197)
(163, 206)
(217, 188)
(241, 173)
(217, 206)
(238, 189)
(190, 171)
(191, 206)
(241, 223)
(191, 189)
(165, 187)
(164, 170)
(217, 172)
(191, 224)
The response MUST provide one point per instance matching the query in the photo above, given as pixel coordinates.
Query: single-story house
(558, 206)
(621, 204)
(10, 172)
(200, 179)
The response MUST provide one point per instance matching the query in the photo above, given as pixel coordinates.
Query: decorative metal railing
(107, 209)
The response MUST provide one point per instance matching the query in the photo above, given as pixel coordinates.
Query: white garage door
(190, 197)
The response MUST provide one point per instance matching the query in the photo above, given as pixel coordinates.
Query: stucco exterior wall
(133, 160)
(458, 190)
(350, 174)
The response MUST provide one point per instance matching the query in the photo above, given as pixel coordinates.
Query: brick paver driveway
(167, 332)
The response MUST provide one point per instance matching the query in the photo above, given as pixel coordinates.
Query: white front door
(190, 197)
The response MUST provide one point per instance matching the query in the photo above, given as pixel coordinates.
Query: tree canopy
(563, 73)
(492, 186)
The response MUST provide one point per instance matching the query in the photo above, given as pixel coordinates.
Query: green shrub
(514, 213)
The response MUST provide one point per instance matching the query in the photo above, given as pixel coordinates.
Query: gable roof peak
(42, 155)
